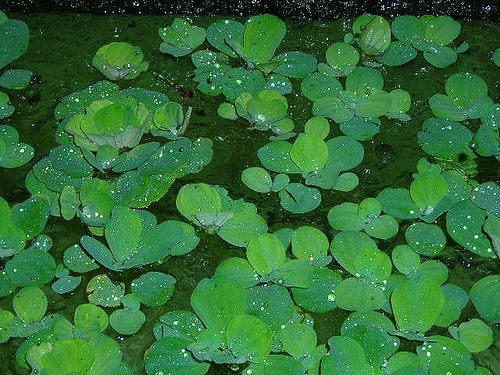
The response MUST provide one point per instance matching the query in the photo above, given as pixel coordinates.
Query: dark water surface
(60, 54)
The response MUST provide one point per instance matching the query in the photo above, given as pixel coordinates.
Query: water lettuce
(381, 268)
(120, 60)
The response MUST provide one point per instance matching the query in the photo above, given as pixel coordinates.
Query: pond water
(60, 53)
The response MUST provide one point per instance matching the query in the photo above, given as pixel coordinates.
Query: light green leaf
(427, 190)
(342, 57)
(248, 338)
(257, 179)
(218, 300)
(266, 253)
(262, 35)
(30, 304)
(309, 152)
(475, 335)
(420, 312)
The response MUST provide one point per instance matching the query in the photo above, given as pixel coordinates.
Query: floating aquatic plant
(118, 151)
(120, 60)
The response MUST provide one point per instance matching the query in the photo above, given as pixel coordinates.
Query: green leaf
(181, 37)
(153, 288)
(456, 300)
(373, 264)
(318, 126)
(464, 224)
(272, 304)
(276, 364)
(463, 87)
(127, 321)
(445, 355)
(441, 30)
(72, 355)
(239, 270)
(31, 268)
(76, 260)
(445, 108)
(195, 199)
(298, 198)
(15, 79)
(170, 355)
(223, 34)
(342, 57)
(266, 253)
(31, 215)
(427, 190)
(30, 304)
(345, 152)
(320, 296)
(377, 103)
(346, 356)
(405, 259)
(90, 318)
(475, 335)
(275, 156)
(359, 128)
(299, 340)
(66, 284)
(399, 53)
(371, 330)
(15, 38)
(295, 64)
(398, 203)
(124, 220)
(242, 227)
(227, 111)
(6, 325)
(257, 179)
(354, 294)
(309, 152)
(419, 312)
(5, 108)
(345, 217)
(318, 85)
(425, 239)
(309, 243)
(178, 323)
(383, 227)
(485, 196)
(346, 246)
(12, 153)
(262, 35)
(363, 79)
(487, 141)
(483, 296)
(332, 107)
(248, 338)
(296, 272)
(218, 300)
(102, 291)
(445, 139)
(79, 100)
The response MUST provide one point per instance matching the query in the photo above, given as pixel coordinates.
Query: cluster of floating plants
(120, 150)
